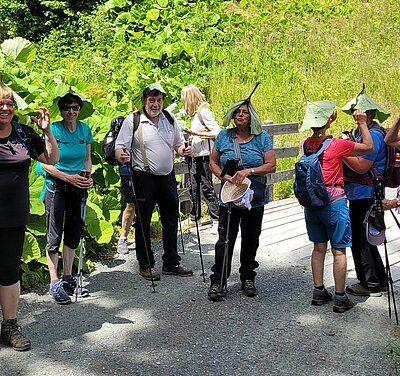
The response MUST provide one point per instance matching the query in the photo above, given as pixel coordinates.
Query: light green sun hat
(317, 114)
(362, 101)
(156, 86)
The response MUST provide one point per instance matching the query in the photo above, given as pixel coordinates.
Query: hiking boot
(123, 246)
(145, 273)
(248, 288)
(180, 270)
(321, 297)
(58, 293)
(11, 335)
(71, 288)
(342, 304)
(214, 292)
(359, 290)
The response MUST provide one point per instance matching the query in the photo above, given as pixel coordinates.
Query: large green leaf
(31, 249)
(153, 14)
(317, 114)
(19, 49)
(362, 101)
(107, 231)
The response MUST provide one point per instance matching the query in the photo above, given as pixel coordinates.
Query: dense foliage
(110, 50)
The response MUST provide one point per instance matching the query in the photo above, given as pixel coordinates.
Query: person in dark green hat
(64, 186)
(149, 151)
(360, 191)
(331, 222)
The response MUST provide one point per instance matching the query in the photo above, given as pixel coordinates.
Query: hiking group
(340, 183)
(143, 146)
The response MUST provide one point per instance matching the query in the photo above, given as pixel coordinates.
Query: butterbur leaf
(31, 249)
(19, 49)
(317, 114)
(362, 101)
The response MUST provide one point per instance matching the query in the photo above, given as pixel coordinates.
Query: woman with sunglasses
(18, 144)
(65, 184)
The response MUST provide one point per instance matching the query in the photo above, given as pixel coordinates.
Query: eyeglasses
(7, 104)
(68, 108)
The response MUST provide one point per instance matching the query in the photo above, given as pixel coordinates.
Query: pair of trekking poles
(188, 161)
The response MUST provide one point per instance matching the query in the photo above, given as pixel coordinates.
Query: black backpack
(112, 134)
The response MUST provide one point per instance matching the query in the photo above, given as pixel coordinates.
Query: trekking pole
(141, 225)
(188, 160)
(230, 166)
(224, 271)
(82, 249)
(180, 229)
(389, 276)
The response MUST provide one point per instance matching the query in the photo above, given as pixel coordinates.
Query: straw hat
(234, 193)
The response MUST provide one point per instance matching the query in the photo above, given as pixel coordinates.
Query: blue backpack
(309, 186)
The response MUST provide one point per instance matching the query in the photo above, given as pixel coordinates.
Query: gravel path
(124, 328)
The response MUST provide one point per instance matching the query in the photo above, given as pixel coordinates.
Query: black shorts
(127, 190)
(12, 245)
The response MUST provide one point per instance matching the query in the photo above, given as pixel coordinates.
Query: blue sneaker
(71, 288)
(58, 293)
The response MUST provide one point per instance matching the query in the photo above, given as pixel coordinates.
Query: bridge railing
(273, 130)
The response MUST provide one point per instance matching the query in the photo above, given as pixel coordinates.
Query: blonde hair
(192, 98)
(6, 92)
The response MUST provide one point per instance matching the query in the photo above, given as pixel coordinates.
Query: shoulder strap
(20, 133)
(321, 148)
(169, 117)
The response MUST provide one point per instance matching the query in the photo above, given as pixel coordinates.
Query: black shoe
(321, 297)
(248, 288)
(214, 292)
(342, 305)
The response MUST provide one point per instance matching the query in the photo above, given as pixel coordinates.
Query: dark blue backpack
(309, 186)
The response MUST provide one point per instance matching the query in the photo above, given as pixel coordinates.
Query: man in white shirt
(152, 148)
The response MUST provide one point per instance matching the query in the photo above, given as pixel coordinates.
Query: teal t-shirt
(252, 154)
(72, 147)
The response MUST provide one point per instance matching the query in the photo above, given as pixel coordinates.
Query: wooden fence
(273, 130)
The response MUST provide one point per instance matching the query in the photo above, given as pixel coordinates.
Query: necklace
(245, 140)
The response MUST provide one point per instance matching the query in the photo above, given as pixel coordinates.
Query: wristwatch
(252, 171)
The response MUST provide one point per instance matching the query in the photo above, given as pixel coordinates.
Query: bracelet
(397, 202)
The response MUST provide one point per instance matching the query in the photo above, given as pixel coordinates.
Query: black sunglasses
(73, 108)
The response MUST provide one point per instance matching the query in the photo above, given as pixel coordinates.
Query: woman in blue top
(256, 160)
(65, 188)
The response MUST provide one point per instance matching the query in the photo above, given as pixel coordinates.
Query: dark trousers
(201, 178)
(151, 190)
(250, 222)
(367, 260)
(63, 203)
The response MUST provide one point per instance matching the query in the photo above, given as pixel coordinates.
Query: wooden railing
(273, 130)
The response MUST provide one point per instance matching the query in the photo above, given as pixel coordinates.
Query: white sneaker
(214, 228)
(123, 246)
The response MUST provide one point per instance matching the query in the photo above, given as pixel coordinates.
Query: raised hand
(43, 121)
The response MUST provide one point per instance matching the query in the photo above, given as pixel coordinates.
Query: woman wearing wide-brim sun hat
(243, 140)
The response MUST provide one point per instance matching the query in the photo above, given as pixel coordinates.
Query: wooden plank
(279, 176)
(278, 129)
(286, 152)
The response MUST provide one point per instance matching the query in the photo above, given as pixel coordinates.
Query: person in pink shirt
(331, 222)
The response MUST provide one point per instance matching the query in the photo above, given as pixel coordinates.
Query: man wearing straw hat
(330, 222)
(360, 191)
